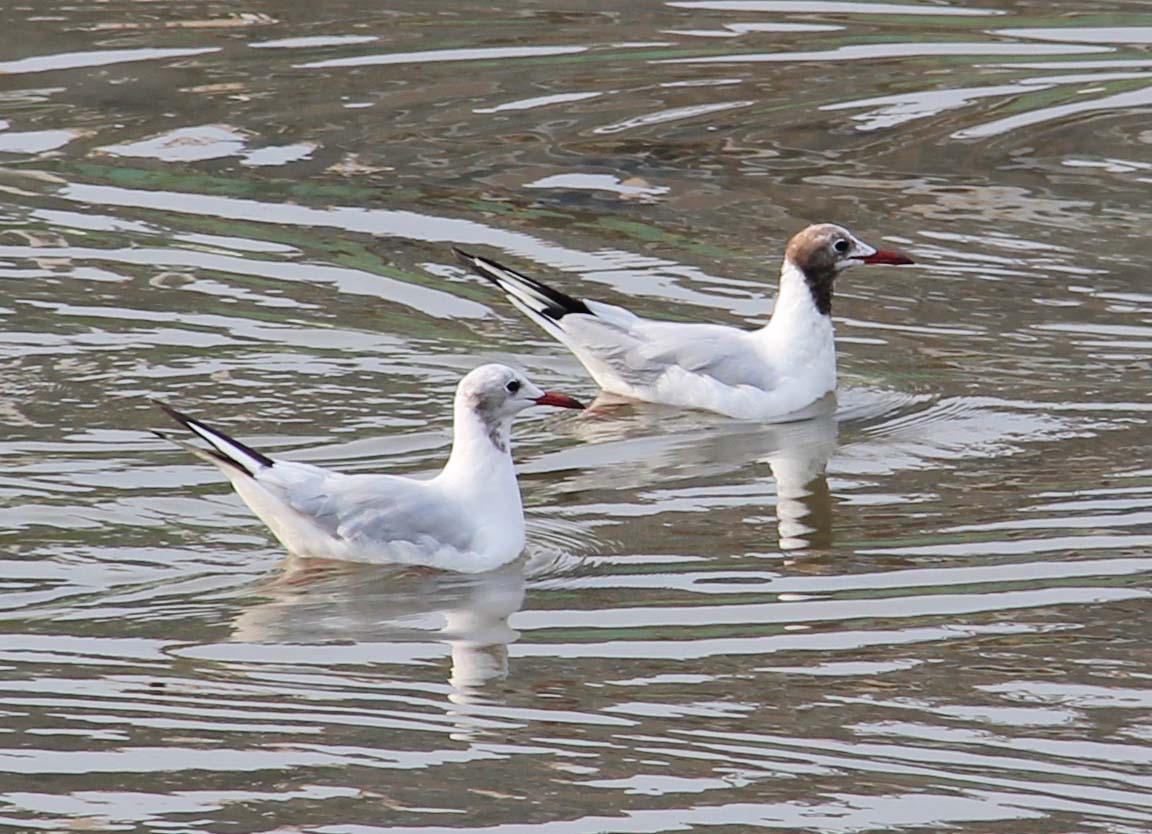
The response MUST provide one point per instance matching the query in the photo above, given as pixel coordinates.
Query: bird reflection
(668, 443)
(803, 499)
(313, 601)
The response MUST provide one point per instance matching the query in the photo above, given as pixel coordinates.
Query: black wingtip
(198, 427)
(178, 416)
(475, 264)
(204, 453)
(557, 303)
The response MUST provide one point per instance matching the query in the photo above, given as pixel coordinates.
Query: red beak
(887, 256)
(558, 400)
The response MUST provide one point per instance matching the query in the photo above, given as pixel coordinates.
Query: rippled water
(927, 612)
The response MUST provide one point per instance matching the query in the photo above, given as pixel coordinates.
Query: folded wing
(371, 510)
(623, 351)
(315, 512)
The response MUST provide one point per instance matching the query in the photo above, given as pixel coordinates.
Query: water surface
(924, 611)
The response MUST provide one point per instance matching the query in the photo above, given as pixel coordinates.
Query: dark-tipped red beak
(558, 400)
(887, 256)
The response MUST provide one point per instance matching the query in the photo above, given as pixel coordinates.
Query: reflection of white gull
(751, 374)
(317, 601)
(467, 518)
(477, 630)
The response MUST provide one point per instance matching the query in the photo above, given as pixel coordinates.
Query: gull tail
(226, 452)
(535, 299)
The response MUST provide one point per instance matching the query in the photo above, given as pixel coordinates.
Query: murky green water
(248, 209)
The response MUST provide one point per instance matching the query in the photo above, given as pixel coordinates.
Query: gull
(760, 374)
(467, 518)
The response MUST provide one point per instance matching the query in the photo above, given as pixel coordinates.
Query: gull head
(497, 393)
(826, 248)
(823, 251)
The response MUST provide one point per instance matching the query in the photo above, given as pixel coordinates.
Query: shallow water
(926, 611)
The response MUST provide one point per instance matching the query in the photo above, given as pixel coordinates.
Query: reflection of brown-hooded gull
(803, 500)
(635, 445)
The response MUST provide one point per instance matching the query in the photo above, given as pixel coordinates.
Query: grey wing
(381, 509)
(644, 351)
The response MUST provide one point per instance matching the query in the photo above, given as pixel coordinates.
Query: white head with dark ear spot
(496, 393)
(825, 250)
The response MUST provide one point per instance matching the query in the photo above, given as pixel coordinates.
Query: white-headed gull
(467, 518)
(759, 374)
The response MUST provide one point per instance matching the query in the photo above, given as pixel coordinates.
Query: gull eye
(840, 246)
(513, 386)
